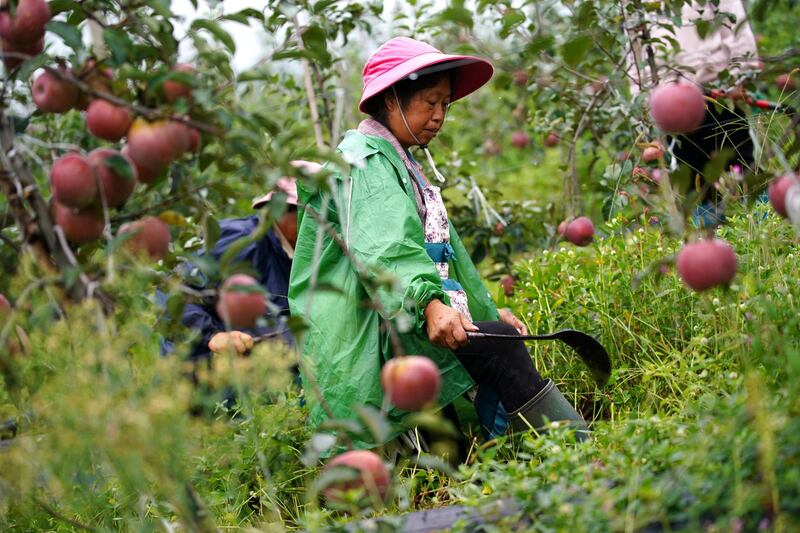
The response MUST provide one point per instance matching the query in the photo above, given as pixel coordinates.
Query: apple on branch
(372, 477)
(707, 263)
(116, 183)
(73, 181)
(411, 382)
(241, 301)
(150, 237)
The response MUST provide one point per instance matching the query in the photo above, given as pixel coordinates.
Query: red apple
(411, 382)
(520, 139)
(562, 227)
(79, 226)
(27, 24)
(73, 181)
(150, 237)
(777, 193)
(115, 188)
(181, 136)
(499, 228)
(241, 301)
(520, 78)
(5, 305)
(508, 285)
(108, 121)
(10, 49)
(52, 95)
(580, 231)
(707, 263)
(653, 152)
(373, 478)
(173, 89)
(551, 140)
(194, 140)
(144, 174)
(155, 144)
(491, 147)
(785, 82)
(677, 107)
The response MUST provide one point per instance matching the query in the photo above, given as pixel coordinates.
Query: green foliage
(697, 428)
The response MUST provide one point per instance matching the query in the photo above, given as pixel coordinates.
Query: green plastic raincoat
(345, 346)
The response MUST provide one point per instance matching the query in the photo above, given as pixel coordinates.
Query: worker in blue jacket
(270, 258)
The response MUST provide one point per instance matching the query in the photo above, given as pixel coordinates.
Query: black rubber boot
(549, 405)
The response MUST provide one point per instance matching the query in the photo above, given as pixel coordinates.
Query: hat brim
(471, 73)
(310, 167)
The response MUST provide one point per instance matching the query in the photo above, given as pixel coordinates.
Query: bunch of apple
(22, 30)
(82, 185)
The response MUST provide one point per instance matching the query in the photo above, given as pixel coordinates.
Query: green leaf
(76, 17)
(255, 75)
(71, 275)
(459, 15)
(175, 304)
(31, 65)
(702, 27)
(59, 6)
(573, 50)
(117, 242)
(587, 15)
(321, 6)
(296, 325)
(161, 7)
(71, 35)
(212, 232)
(713, 169)
(512, 18)
(216, 30)
(538, 44)
(244, 16)
(120, 166)
(19, 124)
(315, 41)
(374, 421)
(119, 43)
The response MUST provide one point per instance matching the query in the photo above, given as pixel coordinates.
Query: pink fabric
(287, 184)
(371, 126)
(401, 56)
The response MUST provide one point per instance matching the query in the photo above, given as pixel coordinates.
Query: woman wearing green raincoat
(393, 221)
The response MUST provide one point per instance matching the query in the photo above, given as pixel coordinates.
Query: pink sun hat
(288, 184)
(401, 56)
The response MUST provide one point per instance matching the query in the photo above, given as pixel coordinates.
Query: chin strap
(431, 163)
(424, 147)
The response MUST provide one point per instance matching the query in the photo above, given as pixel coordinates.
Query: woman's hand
(508, 317)
(446, 326)
(230, 340)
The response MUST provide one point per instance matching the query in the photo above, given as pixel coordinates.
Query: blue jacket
(267, 259)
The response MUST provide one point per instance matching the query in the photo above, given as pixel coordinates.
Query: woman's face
(424, 114)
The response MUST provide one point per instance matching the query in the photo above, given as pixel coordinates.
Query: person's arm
(385, 234)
